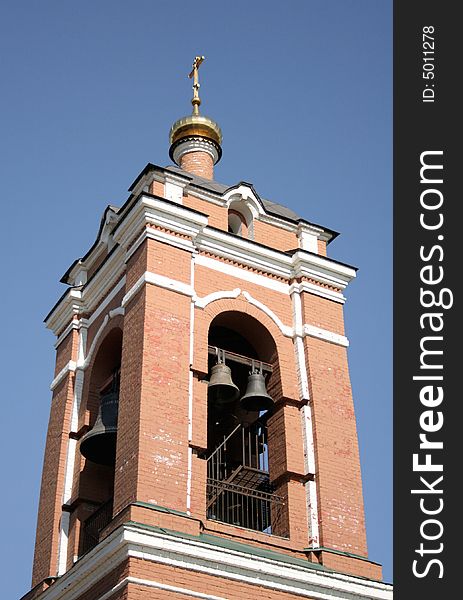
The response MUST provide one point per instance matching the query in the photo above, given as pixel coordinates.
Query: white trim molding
(324, 334)
(243, 274)
(69, 367)
(151, 233)
(311, 288)
(190, 387)
(221, 295)
(285, 330)
(195, 144)
(196, 555)
(311, 493)
(244, 193)
(233, 294)
(158, 586)
(176, 225)
(160, 281)
(308, 237)
(156, 211)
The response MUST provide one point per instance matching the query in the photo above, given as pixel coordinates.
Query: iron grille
(95, 523)
(239, 491)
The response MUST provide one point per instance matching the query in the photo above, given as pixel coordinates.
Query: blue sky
(302, 91)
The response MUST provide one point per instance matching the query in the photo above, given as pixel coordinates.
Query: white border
(197, 556)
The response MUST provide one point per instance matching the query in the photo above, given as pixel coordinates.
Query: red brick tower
(169, 471)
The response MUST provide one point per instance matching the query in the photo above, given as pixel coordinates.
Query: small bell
(221, 389)
(256, 397)
(99, 444)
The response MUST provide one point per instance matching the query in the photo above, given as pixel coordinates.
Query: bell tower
(202, 439)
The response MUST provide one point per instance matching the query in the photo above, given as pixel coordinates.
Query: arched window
(235, 222)
(239, 487)
(240, 219)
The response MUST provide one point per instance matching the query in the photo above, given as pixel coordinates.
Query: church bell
(221, 389)
(99, 444)
(256, 397)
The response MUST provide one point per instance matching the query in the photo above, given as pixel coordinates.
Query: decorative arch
(237, 292)
(103, 330)
(245, 303)
(244, 205)
(104, 361)
(246, 194)
(94, 479)
(244, 430)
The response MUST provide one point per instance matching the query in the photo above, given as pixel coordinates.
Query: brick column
(152, 442)
(338, 477)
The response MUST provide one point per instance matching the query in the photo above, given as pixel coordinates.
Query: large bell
(99, 444)
(221, 389)
(256, 397)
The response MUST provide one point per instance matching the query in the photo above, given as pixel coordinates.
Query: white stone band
(195, 145)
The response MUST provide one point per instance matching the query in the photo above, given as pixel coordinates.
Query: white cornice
(146, 219)
(102, 244)
(312, 288)
(176, 178)
(203, 194)
(242, 274)
(104, 279)
(309, 228)
(70, 305)
(321, 269)
(246, 193)
(160, 236)
(245, 252)
(198, 556)
(280, 223)
(149, 583)
(156, 211)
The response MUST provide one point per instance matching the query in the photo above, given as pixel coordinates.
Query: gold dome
(195, 126)
(195, 132)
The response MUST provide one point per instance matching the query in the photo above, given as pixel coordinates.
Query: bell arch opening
(97, 446)
(243, 387)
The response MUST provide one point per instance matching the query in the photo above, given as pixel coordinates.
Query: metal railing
(95, 523)
(239, 491)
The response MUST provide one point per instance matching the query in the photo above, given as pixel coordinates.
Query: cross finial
(196, 101)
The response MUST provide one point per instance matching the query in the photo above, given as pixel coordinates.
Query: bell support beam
(239, 358)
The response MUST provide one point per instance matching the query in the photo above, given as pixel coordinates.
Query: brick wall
(340, 499)
(51, 494)
(199, 163)
(272, 236)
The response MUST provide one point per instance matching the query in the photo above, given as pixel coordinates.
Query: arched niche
(240, 218)
(239, 489)
(96, 481)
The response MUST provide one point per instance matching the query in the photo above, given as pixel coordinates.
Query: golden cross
(196, 101)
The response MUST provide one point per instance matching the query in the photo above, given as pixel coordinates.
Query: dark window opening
(98, 444)
(239, 490)
(236, 223)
